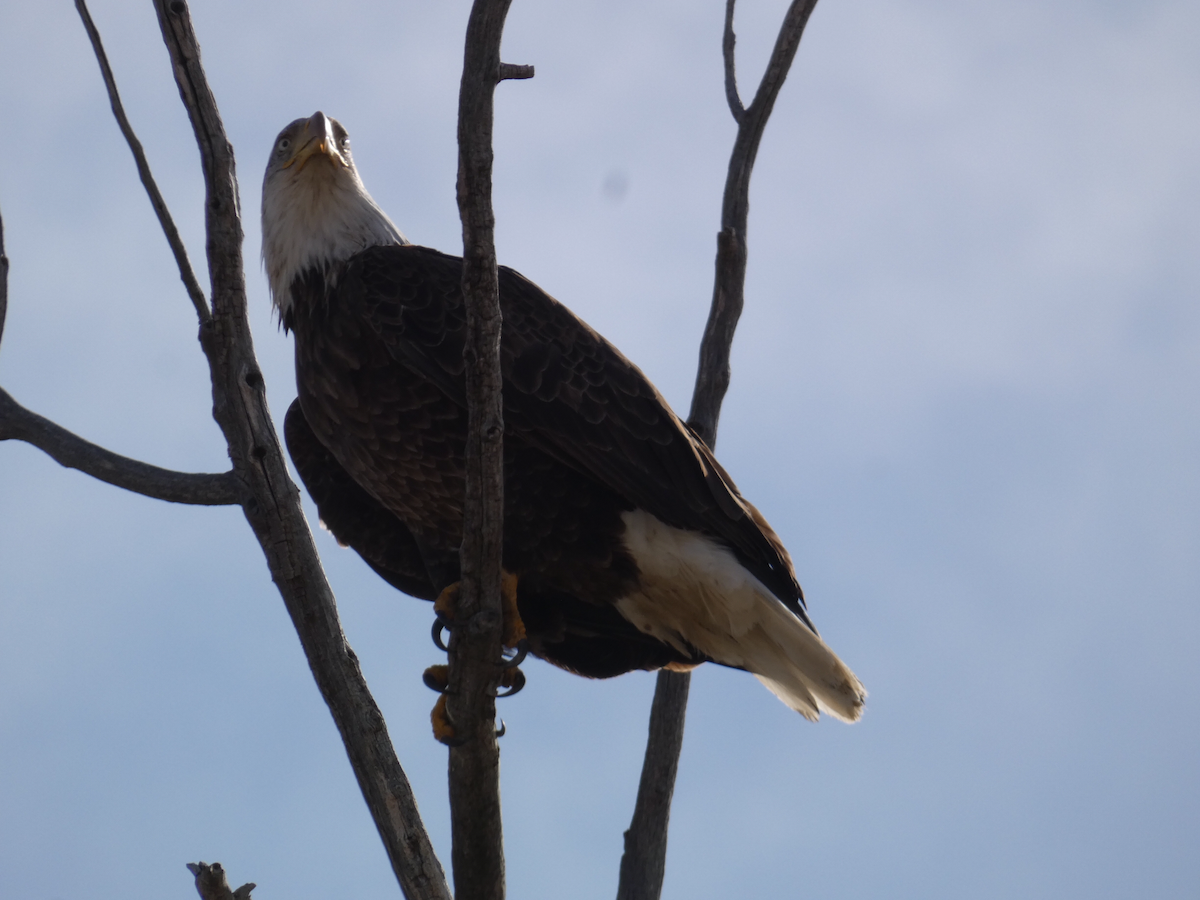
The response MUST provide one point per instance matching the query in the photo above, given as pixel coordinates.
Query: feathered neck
(316, 216)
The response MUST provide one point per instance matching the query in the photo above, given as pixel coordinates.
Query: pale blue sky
(965, 393)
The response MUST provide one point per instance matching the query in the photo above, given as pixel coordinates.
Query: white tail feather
(800, 667)
(695, 592)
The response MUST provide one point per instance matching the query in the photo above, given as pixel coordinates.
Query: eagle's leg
(443, 728)
(446, 604)
(514, 628)
(437, 678)
(447, 601)
(512, 679)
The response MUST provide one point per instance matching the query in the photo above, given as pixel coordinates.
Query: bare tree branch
(712, 375)
(643, 864)
(273, 505)
(67, 449)
(259, 479)
(72, 451)
(475, 642)
(728, 41)
(143, 167)
(646, 840)
(3, 281)
(211, 883)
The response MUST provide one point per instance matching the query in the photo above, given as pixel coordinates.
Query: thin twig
(3, 281)
(712, 375)
(72, 451)
(728, 41)
(20, 424)
(212, 885)
(160, 207)
(273, 507)
(646, 840)
(476, 828)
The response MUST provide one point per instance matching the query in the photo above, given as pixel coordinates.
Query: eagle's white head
(315, 211)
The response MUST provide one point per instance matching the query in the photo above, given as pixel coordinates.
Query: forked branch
(712, 374)
(644, 862)
(259, 480)
(728, 43)
(273, 509)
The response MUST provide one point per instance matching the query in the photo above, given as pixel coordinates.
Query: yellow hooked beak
(317, 137)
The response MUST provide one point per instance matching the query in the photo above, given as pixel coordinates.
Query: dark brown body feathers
(377, 436)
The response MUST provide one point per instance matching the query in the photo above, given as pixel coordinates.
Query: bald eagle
(632, 547)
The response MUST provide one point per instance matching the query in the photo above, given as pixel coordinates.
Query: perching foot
(443, 728)
(512, 681)
(437, 678)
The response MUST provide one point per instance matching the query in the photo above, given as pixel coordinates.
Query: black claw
(500, 732)
(438, 625)
(518, 682)
(518, 657)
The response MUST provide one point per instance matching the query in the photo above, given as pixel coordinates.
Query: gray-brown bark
(143, 167)
(644, 862)
(273, 506)
(712, 373)
(72, 451)
(3, 281)
(20, 424)
(259, 479)
(211, 883)
(475, 642)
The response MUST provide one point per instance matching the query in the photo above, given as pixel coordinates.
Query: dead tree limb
(143, 167)
(72, 451)
(644, 862)
(20, 424)
(212, 885)
(475, 642)
(3, 281)
(259, 480)
(712, 373)
(273, 506)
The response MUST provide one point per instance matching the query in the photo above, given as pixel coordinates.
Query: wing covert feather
(354, 517)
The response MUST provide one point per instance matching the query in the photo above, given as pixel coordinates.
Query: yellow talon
(443, 730)
(437, 678)
(514, 629)
(446, 602)
(513, 679)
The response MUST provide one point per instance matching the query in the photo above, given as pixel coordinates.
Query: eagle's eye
(284, 143)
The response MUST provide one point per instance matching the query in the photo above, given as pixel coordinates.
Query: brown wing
(585, 638)
(568, 392)
(354, 517)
